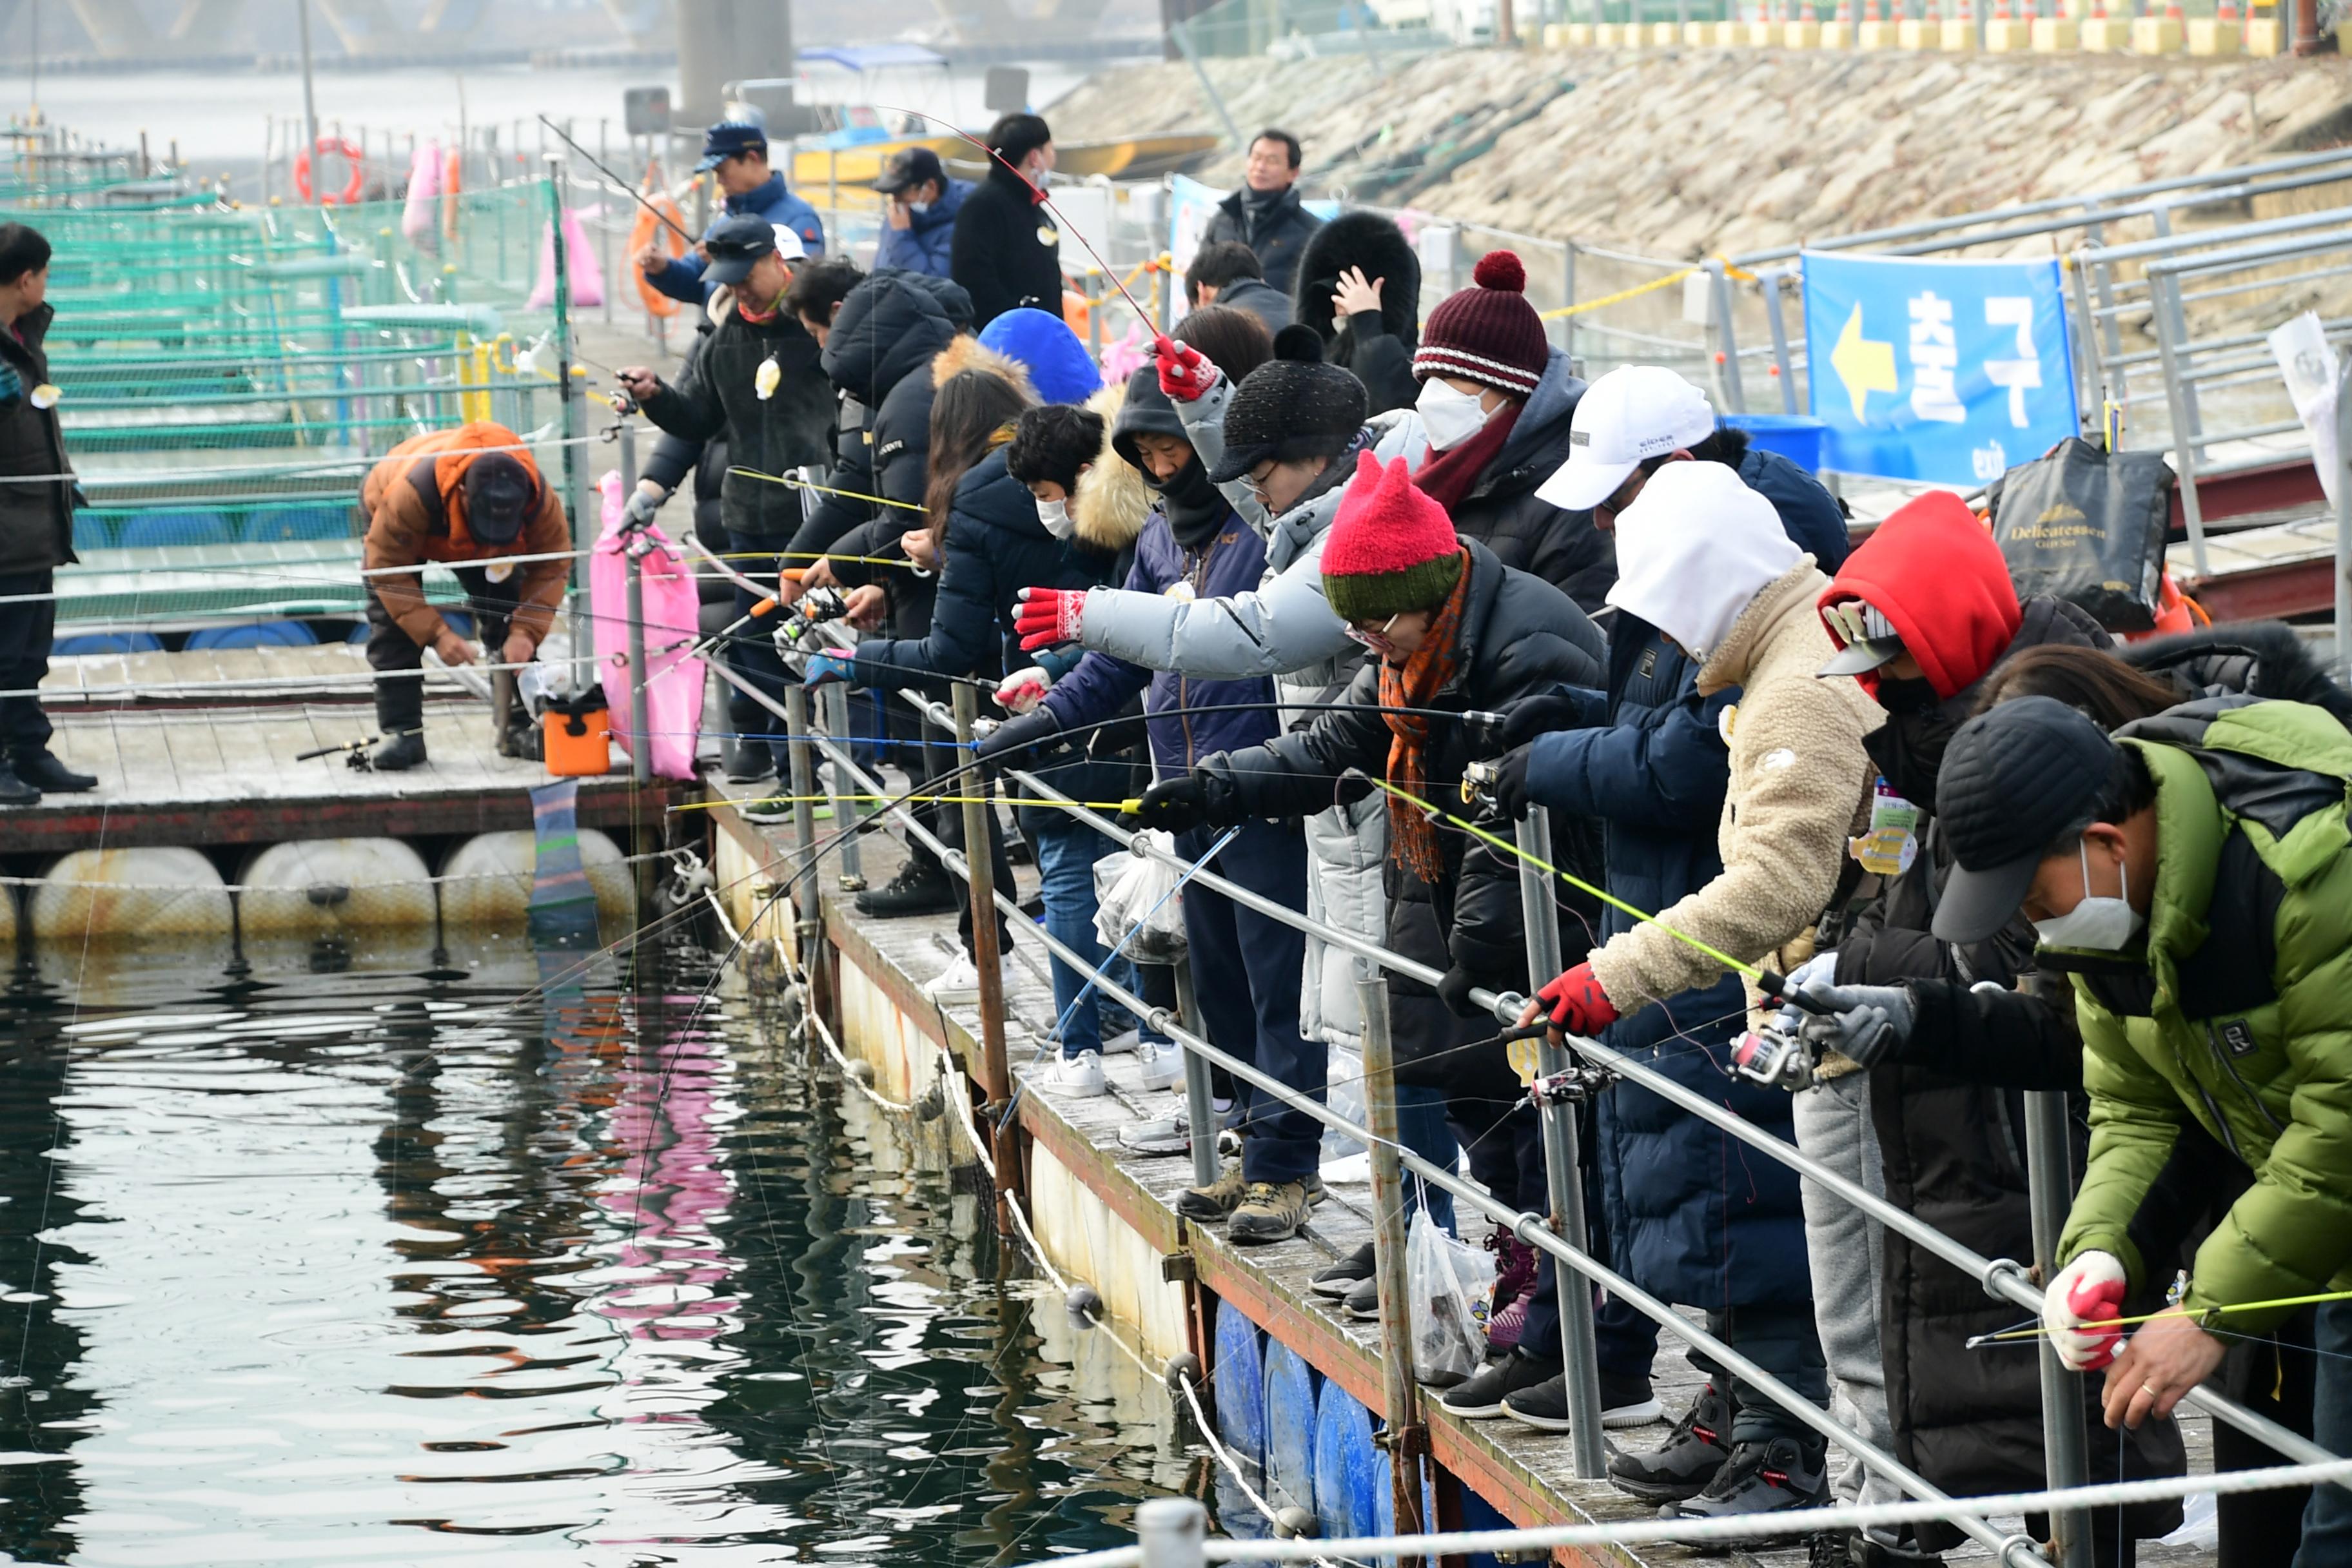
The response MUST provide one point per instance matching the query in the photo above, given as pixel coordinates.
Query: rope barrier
(1639, 290)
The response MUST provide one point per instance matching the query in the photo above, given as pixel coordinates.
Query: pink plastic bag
(673, 615)
(587, 277)
(420, 219)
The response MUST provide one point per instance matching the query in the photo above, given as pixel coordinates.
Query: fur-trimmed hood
(1112, 500)
(2253, 658)
(1374, 243)
(968, 352)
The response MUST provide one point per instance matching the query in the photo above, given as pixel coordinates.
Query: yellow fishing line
(787, 481)
(1750, 970)
(2039, 1329)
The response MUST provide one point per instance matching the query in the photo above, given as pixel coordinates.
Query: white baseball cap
(1635, 411)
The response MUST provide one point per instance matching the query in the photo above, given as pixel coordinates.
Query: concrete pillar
(719, 41)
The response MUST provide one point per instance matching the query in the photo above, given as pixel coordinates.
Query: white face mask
(1055, 516)
(1450, 416)
(919, 208)
(2096, 924)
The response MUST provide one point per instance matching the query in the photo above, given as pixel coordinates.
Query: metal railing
(1559, 1232)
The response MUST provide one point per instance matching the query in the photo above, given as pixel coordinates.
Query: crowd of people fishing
(1861, 846)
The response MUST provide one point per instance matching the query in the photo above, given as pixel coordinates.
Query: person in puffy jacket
(1453, 631)
(1359, 285)
(1265, 214)
(734, 154)
(1058, 364)
(919, 212)
(1006, 251)
(1196, 546)
(1706, 561)
(1499, 402)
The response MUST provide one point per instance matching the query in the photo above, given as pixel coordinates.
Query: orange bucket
(577, 736)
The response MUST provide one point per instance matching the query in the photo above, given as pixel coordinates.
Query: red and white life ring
(351, 157)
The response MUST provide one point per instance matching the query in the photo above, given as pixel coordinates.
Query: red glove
(1048, 615)
(1578, 1004)
(1185, 373)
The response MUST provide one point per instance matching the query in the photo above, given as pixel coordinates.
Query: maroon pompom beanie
(1391, 548)
(1487, 333)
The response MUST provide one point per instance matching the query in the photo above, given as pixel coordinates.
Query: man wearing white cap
(1639, 418)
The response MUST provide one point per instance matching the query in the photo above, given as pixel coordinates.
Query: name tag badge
(499, 571)
(1048, 236)
(1892, 842)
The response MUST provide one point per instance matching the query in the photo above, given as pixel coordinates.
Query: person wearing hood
(1452, 631)
(1706, 561)
(1059, 367)
(1924, 613)
(919, 205)
(1196, 546)
(1359, 285)
(1499, 403)
(1226, 272)
(757, 383)
(1005, 250)
(735, 155)
(1639, 418)
(1265, 214)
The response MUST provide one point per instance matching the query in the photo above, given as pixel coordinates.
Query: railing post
(979, 874)
(2173, 351)
(1735, 392)
(1567, 298)
(640, 762)
(1563, 1173)
(1780, 325)
(2065, 1440)
(1200, 1108)
(1399, 1395)
(808, 921)
(1170, 1531)
(844, 810)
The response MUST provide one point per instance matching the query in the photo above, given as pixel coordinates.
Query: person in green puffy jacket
(2193, 874)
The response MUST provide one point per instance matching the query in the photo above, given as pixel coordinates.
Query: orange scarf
(1413, 838)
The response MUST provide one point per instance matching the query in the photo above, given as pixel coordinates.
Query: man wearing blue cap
(734, 153)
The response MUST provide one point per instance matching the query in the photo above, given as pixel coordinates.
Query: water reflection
(370, 1265)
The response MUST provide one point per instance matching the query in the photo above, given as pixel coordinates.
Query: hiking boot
(397, 753)
(15, 791)
(45, 773)
(1273, 1211)
(1687, 1461)
(1080, 1075)
(920, 888)
(1481, 1396)
(747, 759)
(1759, 1477)
(1345, 1275)
(1216, 1200)
(1624, 1402)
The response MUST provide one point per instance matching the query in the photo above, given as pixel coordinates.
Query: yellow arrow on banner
(1866, 366)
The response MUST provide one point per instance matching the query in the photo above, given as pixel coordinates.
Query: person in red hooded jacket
(1923, 612)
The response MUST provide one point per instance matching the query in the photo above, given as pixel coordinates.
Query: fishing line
(2038, 1330)
(618, 184)
(790, 483)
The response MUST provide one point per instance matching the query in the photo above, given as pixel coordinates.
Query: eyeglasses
(1257, 489)
(1377, 641)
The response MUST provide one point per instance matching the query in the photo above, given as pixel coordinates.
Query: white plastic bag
(1139, 909)
(2308, 365)
(1344, 1093)
(1452, 1284)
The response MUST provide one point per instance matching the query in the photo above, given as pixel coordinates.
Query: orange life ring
(351, 156)
(643, 232)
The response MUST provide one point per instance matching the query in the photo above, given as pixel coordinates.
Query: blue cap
(725, 140)
(1058, 364)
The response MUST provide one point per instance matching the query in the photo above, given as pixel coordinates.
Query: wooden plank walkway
(1527, 1475)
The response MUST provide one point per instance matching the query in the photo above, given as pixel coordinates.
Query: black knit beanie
(1292, 408)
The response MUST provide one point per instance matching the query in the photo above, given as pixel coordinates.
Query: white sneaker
(1165, 1135)
(1163, 1065)
(960, 980)
(1121, 1045)
(1080, 1075)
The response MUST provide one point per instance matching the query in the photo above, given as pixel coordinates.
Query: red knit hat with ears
(1391, 548)
(1488, 333)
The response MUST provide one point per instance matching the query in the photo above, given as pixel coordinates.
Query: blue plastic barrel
(148, 529)
(1289, 1427)
(289, 524)
(106, 642)
(1351, 1475)
(254, 634)
(1796, 437)
(1239, 1384)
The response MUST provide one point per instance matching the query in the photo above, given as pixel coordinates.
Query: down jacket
(1503, 512)
(1519, 635)
(1284, 628)
(1277, 235)
(414, 499)
(718, 394)
(36, 521)
(682, 278)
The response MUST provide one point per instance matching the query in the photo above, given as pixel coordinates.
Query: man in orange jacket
(472, 499)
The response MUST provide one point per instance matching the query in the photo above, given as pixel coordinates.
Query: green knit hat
(1391, 547)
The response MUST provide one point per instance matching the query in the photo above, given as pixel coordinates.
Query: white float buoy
(485, 881)
(108, 895)
(316, 888)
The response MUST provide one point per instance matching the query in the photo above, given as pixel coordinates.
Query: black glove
(1511, 786)
(1017, 740)
(1531, 716)
(1173, 804)
(1454, 990)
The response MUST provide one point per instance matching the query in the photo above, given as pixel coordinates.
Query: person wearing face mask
(1006, 251)
(919, 206)
(1499, 402)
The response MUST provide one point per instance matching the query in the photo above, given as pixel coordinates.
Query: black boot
(398, 752)
(44, 773)
(920, 888)
(747, 759)
(15, 791)
(1688, 1460)
(1759, 1477)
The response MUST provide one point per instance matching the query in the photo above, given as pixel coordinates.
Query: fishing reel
(810, 611)
(1479, 780)
(1571, 1086)
(1774, 1056)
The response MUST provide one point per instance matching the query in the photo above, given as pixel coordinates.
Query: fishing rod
(619, 184)
(790, 483)
(2039, 1329)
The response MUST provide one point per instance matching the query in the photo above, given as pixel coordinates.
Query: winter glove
(1531, 716)
(1454, 990)
(1013, 741)
(823, 668)
(1511, 786)
(1869, 1021)
(1173, 804)
(1185, 373)
(1577, 1003)
(1022, 689)
(1048, 615)
(644, 502)
(2088, 1291)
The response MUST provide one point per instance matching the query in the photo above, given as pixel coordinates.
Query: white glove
(1819, 970)
(2088, 1291)
(1022, 689)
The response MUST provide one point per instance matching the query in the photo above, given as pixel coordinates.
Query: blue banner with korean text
(1948, 372)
